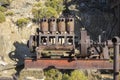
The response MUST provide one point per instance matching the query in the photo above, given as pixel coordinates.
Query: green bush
(77, 75)
(10, 13)
(48, 9)
(2, 17)
(56, 4)
(53, 74)
(22, 21)
(65, 77)
(3, 9)
(39, 4)
(44, 12)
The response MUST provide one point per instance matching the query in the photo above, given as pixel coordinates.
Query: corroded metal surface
(70, 25)
(85, 43)
(68, 64)
(56, 38)
(61, 25)
(53, 25)
(44, 25)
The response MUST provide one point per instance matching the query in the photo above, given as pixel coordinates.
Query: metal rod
(116, 61)
(99, 38)
(116, 41)
(119, 18)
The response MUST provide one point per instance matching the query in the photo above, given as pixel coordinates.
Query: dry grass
(36, 73)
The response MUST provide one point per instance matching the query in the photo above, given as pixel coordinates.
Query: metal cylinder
(61, 25)
(52, 25)
(84, 43)
(44, 25)
(116, 41)
(70, 25)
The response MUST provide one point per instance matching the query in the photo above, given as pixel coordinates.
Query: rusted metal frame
(68, 64)
(56, 37)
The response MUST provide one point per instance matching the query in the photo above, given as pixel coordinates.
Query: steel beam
(68, 64)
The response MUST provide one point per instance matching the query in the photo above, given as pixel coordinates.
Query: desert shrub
(44, 12)
(2, 17)
(3, 9)
(65, 77)
(77, 75)
(22, 21)
(10, 13)
(56, 4)
(48, 9)
(53, 74)
(39, 4)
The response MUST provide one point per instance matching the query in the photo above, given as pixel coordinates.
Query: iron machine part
(44, 25)
(55, 45)
(70, 25)
(62, 44)
(52, 25)
(49, 43)
(61, 25)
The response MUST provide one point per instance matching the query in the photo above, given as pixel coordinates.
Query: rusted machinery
(55, 44)
(54, 39)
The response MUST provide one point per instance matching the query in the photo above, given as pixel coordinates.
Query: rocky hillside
(13, 39)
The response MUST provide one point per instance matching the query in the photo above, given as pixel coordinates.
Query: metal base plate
(68, 64)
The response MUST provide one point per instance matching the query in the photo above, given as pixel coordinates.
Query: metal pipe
(116, 41)
(119, 18)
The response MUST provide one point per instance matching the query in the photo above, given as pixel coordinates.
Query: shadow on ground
(20, 53)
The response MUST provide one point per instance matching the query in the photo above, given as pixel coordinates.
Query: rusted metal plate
(67, 64)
